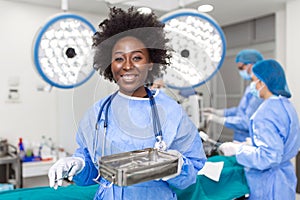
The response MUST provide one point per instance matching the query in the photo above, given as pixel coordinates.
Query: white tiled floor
(297, 196)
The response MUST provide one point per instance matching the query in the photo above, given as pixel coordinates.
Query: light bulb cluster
(199, 48)
(63, 51)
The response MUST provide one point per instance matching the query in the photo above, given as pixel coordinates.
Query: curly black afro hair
(145, 27)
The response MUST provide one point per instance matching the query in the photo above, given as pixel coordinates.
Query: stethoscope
(159, 144)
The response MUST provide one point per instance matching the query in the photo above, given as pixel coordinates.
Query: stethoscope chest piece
(160, 145)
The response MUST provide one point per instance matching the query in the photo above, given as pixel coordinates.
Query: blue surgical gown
(130, 127)
(237, 118)
(275, 134)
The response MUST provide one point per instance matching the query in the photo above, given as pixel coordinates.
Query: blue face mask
(253, 89)
(244, 74)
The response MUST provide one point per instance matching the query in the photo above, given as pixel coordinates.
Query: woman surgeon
(275, 135)
(130, 50)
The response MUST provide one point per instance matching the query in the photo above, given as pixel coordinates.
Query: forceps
(66, 174)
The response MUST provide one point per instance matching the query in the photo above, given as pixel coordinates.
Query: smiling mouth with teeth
(128, 75)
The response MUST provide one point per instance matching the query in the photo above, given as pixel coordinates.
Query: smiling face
(130, 66)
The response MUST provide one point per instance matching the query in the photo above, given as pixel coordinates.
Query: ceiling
(225, 11)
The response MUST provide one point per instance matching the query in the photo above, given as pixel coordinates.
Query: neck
(140, 92)
(267, 94)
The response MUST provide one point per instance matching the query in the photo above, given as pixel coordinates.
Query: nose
(128, 65)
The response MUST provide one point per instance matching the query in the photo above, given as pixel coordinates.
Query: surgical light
(199, 48)
(62, 51)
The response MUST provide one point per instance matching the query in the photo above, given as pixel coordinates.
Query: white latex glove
(214, 118)
(64, 168)
(248, 141)
(229, 148)
(180, 163)
(219, 112)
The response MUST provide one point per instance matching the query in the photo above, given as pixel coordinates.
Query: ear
(150, 66)
(249, 69)
(261, 84)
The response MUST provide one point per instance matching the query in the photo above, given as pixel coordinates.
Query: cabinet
(36, 173)
(12, 170)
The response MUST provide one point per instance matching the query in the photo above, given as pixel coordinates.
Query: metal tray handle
(109, 186)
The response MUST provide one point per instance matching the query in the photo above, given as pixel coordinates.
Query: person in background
(275, 135)
(237, 118)
(188, 99)
(158, 83)
(130, 50)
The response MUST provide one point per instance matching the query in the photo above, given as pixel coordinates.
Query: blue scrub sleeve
(268, 149)
(230, 111)
(85, 177)
(192, 153)
(238, 118)
(192, 163)
(237, 122)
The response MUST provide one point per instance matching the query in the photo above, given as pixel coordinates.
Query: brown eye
(137, 58)
(241, 67)
(118, 59)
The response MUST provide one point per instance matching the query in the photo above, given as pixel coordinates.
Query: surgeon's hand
(248, 141)
(180, 163)
(64, 168)
(229, 148)
(214, 118)
(209, 110)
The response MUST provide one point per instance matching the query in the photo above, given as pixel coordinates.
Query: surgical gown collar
(138, 98)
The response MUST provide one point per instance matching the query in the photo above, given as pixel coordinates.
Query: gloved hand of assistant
(218, 112)
(180, 163)
(229, 148)
(64, 168)
(214, 118)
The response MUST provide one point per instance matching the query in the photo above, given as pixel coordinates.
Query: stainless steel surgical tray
(137, 166)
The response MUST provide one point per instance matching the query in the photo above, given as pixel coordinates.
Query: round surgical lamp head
(199, 48)
(62, 51)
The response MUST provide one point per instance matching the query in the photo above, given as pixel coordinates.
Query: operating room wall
(36, 113)
(287, 46)
(292, 50)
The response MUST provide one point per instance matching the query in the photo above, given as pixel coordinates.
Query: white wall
(280, 33)
(287, 46)
(38, 113)
(292, 50)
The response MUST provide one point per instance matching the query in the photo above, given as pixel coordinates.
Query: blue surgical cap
(249, 56)
(271, 73)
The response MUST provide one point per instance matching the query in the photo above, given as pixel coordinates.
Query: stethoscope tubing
(106, 105)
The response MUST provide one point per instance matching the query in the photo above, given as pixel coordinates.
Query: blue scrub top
(130, 127)
(238, 118)
(275, 134)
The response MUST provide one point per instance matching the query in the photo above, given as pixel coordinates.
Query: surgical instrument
(66, 174)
